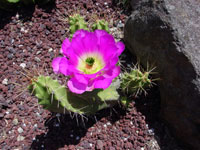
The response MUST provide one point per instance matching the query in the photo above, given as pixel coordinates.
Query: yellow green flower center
(90, 63)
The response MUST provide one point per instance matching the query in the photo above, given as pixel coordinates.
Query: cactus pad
(57, 98)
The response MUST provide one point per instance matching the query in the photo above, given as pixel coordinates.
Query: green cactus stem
(76, 22)
(57, 98)
(100, 24)
(136, 81)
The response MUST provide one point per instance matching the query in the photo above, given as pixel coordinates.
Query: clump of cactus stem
(76, 22)
(57, 98)
(137, 80)
(100, 24)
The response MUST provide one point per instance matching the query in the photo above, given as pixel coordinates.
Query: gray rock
(167, 33)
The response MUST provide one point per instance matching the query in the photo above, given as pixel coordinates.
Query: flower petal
(102, 82)
(81, 78)
(112, 72)
(56, 63)
(65, 46)
(120, 47)
(76, 87)
(90, 86)
(66, 68)
(99, 34)
(63, 66)
(80, 33)
(90, 42)
(77, 45)
(107, 47)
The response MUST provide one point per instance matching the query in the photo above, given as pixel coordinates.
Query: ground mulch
(29, 40)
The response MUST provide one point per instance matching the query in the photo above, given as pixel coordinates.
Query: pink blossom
(90, 60)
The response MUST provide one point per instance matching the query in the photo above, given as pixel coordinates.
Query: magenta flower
(90, 60)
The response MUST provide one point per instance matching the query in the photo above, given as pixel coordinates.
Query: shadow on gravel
(25, 13)
(149, 106)
(68, 130)
(9, 16)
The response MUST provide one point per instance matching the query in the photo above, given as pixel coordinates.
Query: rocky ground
(29, 39)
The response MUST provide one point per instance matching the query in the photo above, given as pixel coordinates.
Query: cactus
(100, 24)
(125, 101)
(76, 22)
(136, 81)
(57, 98)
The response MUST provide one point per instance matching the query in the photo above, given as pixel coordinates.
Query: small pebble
(10, 56)
(22, 29)
(151, 131)
(77, 138)
(58, 115)
(108, 124)
(38, 114)
(38, 52)
(15, 121)
(20, 130)
(20, 138)
(71, 135)
(50, 49)
(17, 16)
(23, 65)
(57, 125)
(5, 81)
(37, 59)
(35, 126)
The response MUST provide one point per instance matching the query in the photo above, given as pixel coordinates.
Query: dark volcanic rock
(167, 33)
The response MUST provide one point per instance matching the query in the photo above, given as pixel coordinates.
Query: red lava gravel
(30, 38)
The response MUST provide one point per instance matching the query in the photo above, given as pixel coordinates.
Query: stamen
(90, 61)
